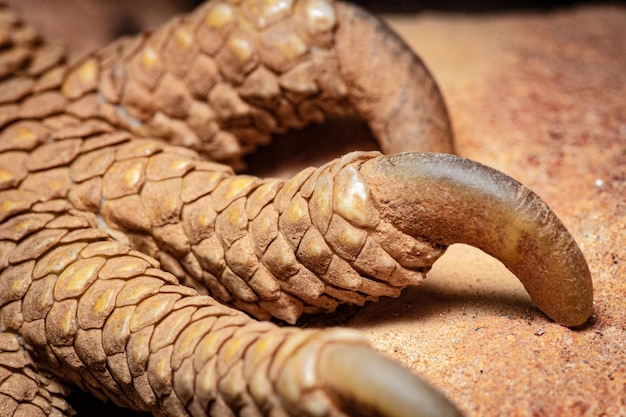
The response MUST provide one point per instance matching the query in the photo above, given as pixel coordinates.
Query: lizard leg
(226, 77)
(95, 313)
(359, 227)
(347, 255)
(262, 245)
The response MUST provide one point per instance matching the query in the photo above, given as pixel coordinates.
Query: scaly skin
(225, 78)
(111, 197)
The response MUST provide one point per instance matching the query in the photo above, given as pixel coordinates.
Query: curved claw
(336, 373)
(366, 383)
(389, 86)
(446, 199)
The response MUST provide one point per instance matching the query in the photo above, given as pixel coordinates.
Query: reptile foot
(114, 192)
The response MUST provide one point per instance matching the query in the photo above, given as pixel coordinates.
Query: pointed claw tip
(446, 199)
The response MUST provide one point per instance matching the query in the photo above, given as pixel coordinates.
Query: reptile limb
(111, 197)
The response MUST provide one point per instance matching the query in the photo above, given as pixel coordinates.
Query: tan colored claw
(382, 387)
(420, 193)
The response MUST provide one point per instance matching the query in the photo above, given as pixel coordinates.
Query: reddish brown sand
(542, 97)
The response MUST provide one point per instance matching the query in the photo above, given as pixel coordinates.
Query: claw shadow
(464, 281)
(422, 302)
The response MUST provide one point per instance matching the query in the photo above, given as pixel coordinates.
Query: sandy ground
(540, 96)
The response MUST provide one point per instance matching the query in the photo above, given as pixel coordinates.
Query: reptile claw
(336, 373)
(368, 384)
(397, 95)
(446, 199)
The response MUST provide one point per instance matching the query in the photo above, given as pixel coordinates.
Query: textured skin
(113, 193)
(296, 249)
(92, 216)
